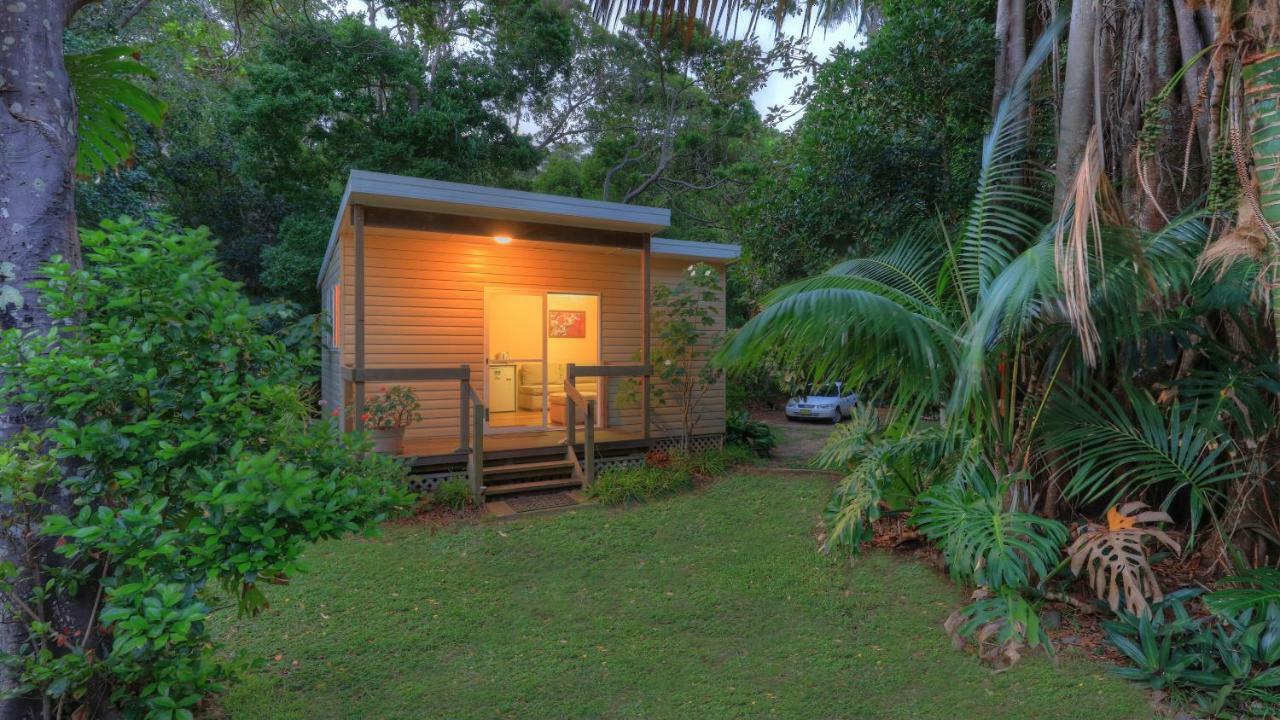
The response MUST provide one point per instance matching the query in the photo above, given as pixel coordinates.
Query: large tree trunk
(37, 177)
(37, 201)
(1077, 95)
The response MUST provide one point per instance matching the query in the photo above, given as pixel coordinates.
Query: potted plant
(387, 415)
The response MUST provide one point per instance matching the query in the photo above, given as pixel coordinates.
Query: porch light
(502, 239)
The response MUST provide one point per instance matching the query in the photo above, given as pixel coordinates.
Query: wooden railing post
(464, 407)
(570, 416)
(589, 440)
(477, 456)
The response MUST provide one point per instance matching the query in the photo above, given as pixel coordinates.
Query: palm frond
(1239, 394)
(670, 18)
(910, 266)
(848, 326)
(1005, 210)
(1006, 304)
(1124, 449)
(105, 95)
(1255, 589)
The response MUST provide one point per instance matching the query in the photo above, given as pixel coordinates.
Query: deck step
(529, 467)
(520, 487)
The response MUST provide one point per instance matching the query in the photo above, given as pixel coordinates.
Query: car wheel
(835, 419)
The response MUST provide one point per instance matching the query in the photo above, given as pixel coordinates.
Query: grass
(710, 605)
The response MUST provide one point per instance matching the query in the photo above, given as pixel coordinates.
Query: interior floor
(515, 418)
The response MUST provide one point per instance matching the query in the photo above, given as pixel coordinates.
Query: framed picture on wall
(567, 323)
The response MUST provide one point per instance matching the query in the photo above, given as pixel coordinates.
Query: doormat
(546, 501)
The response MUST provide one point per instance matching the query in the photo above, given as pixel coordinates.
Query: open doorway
(573, 336)
(530, 338)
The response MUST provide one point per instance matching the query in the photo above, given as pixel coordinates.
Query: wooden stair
(548, 473)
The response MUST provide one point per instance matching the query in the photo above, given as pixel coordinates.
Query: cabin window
(333, 307)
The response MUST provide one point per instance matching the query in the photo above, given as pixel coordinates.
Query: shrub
(188, 460)
(740, 429)
(736, 455)
(711, 463)
(453, 493)
(622, 485)
(1227, 664)
(703, 464)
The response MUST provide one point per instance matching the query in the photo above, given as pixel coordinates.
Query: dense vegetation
(269, 111)
(1052, 263)
(181, 467)
(1080, 377)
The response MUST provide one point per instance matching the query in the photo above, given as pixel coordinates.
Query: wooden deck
(443, 451)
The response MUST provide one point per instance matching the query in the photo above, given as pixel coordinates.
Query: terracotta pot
(388, 440)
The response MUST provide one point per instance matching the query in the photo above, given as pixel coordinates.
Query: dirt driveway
(798, 441)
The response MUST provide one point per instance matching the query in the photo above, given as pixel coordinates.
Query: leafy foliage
(1254, 589)
(105, 95)
(628, 485)
(1000, 626)
(877, 461)
(984, 543)
(890, 134)
(756, 435)
(684, 337)
(453, 493)
(1124, 448)
(393, 407)
(1228, 664)
(190, 460)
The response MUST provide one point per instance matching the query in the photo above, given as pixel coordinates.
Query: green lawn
(712, 605)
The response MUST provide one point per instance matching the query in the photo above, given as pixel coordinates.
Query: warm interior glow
(502, 239)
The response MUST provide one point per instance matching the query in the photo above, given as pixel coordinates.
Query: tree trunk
(1077, 95)
(1189, 43)
(1002, 78)
(1011, 46)
(37, 201)
(37, 177)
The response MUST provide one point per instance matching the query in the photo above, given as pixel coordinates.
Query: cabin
(522, 322)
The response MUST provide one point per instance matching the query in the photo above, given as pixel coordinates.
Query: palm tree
(941, 316)
(982, 328)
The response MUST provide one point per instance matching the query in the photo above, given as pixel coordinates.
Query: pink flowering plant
(395, 407)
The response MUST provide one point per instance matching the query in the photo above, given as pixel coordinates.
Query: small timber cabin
(521, 321)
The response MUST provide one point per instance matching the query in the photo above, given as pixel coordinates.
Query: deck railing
(573, 397)
(471, 410)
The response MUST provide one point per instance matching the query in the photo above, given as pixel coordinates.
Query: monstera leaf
(105, 95)
(1115, 557)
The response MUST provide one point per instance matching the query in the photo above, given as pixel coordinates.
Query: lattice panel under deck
(697, 443)
(428, 482)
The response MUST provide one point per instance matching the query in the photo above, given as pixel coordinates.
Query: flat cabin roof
(400, 192)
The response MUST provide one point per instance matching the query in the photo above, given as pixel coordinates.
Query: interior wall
(515, 325)
(583, 350)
